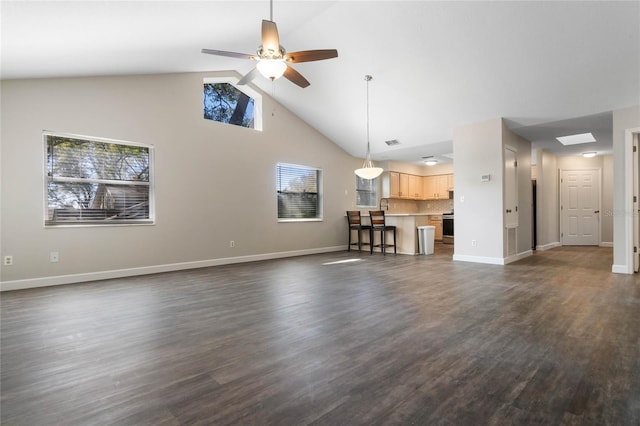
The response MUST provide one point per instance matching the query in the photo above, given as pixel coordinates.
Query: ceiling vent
(392, 142)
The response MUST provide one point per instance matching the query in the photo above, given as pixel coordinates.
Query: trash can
(426, 235)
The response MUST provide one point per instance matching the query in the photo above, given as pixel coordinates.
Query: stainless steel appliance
(447, 228)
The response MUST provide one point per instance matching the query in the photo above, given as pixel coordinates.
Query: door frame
(628, 202)
(560, 198)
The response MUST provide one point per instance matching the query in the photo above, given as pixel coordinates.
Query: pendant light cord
(368, 78)
(271, 10)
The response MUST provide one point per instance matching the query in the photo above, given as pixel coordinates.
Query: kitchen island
(406, 229)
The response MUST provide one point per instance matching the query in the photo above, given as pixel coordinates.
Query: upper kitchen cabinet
(416, 189)
(437, 187)
(391, 185)
(402, 186)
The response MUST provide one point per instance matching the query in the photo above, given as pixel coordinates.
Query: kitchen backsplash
(435, 206)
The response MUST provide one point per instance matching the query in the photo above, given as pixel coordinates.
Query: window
(299, 192)
(226, 103)
(97, 181)
(366, 192)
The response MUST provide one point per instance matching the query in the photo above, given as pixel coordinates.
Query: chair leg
(384, 252)
(394, 241)
(371, 240)
(359, 240)
(349, 246)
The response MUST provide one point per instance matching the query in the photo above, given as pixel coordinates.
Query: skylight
(576, 139)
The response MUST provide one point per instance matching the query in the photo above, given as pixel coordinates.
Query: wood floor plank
(551, 339)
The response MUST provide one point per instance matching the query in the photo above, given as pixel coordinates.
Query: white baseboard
(549, 246)
(606, 244)
(516, 257)
(144, 270)
(492, 260)
(622, 269)
(478, 259)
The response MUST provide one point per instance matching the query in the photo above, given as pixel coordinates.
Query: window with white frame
(226, 103)
(366, 192)
(299, 192)
(97, 181)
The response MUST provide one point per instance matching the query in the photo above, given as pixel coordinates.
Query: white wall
(214, 182)
(547, 201)
(623, 119)
(478, 151)
(479, 206)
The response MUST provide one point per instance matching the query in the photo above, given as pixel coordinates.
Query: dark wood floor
(552, 339)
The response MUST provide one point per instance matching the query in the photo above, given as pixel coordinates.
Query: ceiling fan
(273, 59)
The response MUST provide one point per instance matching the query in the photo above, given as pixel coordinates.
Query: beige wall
(214, 182)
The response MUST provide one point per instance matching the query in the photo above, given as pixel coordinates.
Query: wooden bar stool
(378, 224)
(355, 224)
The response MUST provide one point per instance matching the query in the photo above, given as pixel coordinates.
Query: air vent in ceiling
(392, 142)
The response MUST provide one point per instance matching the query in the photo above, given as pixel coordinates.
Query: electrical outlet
(232, 243)
(474, 243)
(8, 260)
(54, 257)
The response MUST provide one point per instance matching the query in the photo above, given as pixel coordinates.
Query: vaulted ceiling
(549, 68)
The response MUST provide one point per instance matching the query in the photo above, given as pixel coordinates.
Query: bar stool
(355, 224)
(378, 224)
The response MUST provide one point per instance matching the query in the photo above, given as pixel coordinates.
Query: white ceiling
(549, 68)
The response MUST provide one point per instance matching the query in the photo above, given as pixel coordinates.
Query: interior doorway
(580, 207)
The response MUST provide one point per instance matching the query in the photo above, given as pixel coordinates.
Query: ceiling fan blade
(230, 54)
(311, 55)
(270, 39)
(248, 77)
(295, 77)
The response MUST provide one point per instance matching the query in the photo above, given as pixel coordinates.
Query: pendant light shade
(368, 170)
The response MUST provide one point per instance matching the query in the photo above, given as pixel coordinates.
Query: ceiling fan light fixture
(272, 69)
(368, 170)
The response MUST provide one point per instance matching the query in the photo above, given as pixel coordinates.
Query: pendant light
(368, 170)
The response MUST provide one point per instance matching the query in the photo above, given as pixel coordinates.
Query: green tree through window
(96, 180)
(225, 103)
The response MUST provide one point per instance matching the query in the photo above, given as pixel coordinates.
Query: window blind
(97, 181)
(298, 191)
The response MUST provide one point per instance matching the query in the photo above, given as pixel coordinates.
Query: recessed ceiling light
(589, 154)
(576, 139)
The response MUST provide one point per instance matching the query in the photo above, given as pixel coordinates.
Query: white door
(580, 207)
(636, 204)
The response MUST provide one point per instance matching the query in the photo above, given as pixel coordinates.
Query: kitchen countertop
(366, 214)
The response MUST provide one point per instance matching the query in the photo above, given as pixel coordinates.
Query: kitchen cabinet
(415, 187)
(391, 185)
(402, 185)
(450, 182)
(437, 222)
(436, 187)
